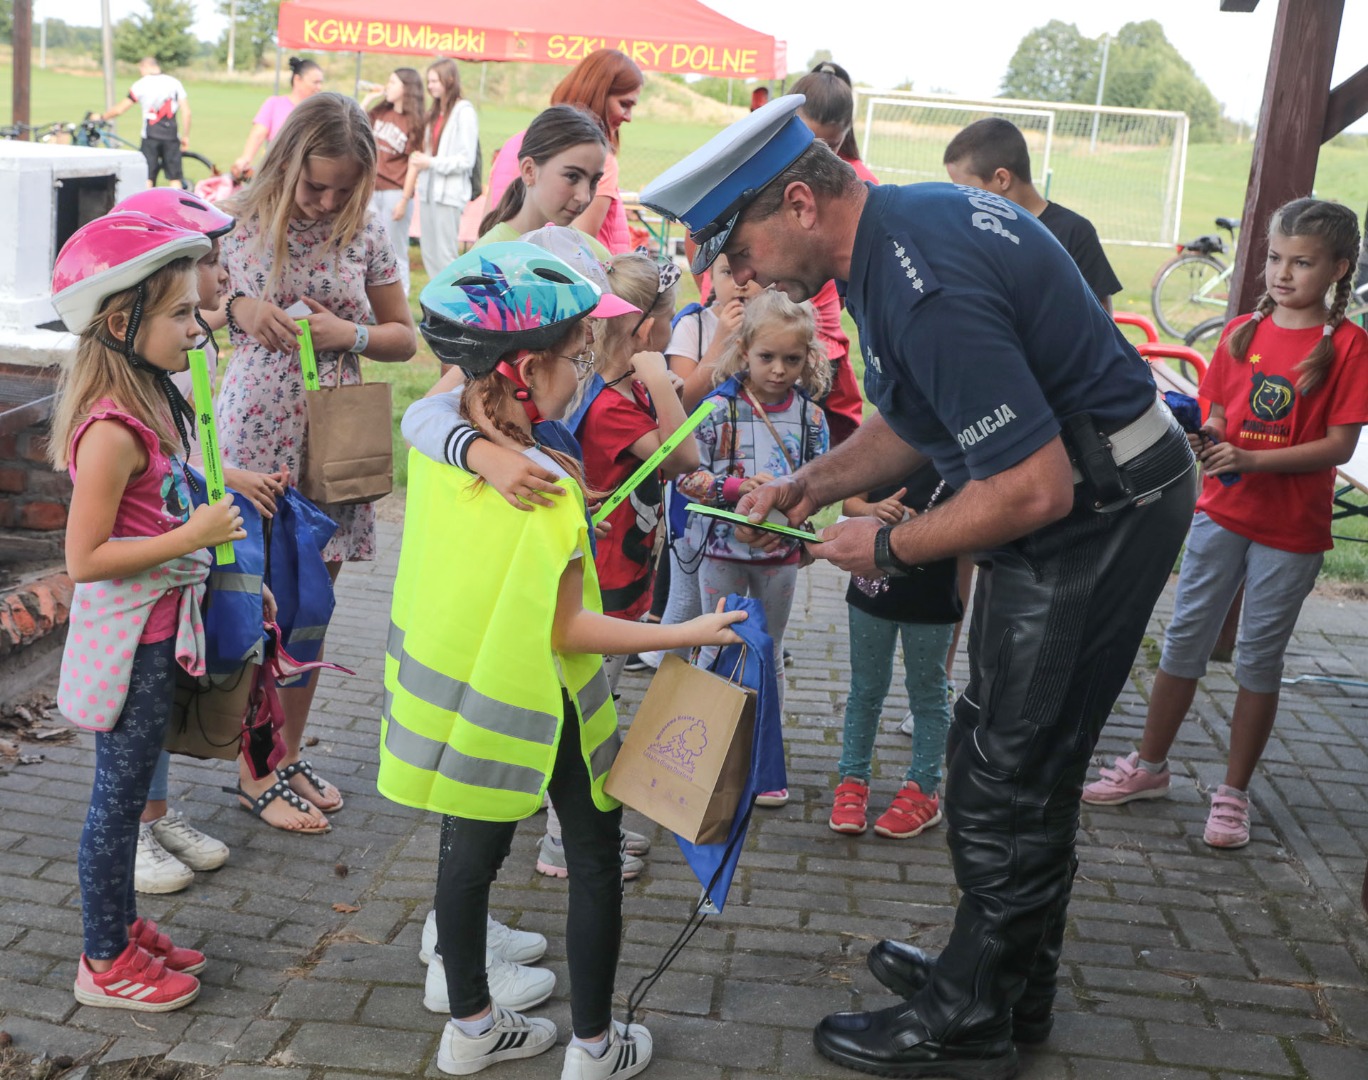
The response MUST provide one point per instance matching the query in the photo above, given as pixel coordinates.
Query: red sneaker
(146, 935)
(911, 814)
(849, 807)
(138, 981)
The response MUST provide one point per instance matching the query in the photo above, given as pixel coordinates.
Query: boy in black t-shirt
(991, 154)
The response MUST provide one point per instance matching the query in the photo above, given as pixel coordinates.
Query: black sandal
(305, 769)
(279, 790)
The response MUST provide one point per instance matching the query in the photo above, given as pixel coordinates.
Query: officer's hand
(787, 494)
(849, 545)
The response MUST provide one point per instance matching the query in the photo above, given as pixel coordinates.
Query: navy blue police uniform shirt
(979, 333)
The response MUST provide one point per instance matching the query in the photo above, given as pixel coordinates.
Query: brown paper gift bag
(207, 713)
(686, 756)
(349, 449)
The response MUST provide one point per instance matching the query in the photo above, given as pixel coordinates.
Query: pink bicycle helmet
(182, 208)
(113, 253)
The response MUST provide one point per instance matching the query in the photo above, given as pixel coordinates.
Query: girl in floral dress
(305, 233)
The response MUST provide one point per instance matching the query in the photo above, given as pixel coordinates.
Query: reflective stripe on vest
(451, 695)
(229, 582)
(474, 694)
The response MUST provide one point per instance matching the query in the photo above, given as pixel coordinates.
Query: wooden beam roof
(1239, 5)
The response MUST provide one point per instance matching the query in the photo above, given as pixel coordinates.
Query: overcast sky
(963, 50)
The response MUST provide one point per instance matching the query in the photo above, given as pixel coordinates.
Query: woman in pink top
(306, 79)
(608, 84)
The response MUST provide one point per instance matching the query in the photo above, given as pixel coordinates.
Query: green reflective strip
(431, 755)
(309, 633)
(605, 753)
(224, 581)
(454, 696)
(594, 695)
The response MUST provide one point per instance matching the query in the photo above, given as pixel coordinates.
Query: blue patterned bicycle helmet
(502, 298)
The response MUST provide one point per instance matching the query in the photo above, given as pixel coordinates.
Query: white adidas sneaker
(512, 986)
(629, 1051)
(515, 946)
(512, 1036)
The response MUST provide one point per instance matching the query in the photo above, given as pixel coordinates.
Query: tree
(256, 29)
(1145, 71)
(1054, 62)
(821, 56)
(6, 20)
(163, 33)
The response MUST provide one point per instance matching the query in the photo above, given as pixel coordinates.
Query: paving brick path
(1181, 963)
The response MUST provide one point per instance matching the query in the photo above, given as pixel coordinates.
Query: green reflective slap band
(208, 439)
(763, 526)
(307, 360)
(652, 463)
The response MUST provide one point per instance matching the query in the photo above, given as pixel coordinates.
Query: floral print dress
(260, 408)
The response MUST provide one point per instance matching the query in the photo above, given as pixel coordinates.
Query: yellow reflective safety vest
(473, 689)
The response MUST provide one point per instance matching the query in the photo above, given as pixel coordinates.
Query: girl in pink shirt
(126, 283)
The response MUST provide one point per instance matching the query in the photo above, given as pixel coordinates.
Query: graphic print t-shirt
(159, 98)
(1265, 411)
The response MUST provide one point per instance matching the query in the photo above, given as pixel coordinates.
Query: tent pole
(356, 91)
(484, 67)
(280, 60)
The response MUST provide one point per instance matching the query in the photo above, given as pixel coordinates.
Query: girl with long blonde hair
(305, 235)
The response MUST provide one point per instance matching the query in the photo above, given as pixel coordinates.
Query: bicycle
(1207, 334)
(96, 131)
(1193, 286)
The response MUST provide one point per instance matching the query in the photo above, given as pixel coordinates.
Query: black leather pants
(1058, 619)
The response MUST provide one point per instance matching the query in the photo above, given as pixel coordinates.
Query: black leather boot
(904, 969)
(894, 1042)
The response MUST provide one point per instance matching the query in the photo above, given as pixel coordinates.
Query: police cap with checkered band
(709, 189)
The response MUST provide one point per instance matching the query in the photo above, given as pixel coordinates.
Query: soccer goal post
(1120, 168)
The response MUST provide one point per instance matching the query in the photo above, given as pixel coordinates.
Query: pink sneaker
(849, 807)
(138, 980)
(911, 814)
(772, 798)
(1228, 823)
(1125, 782)
(147, 935)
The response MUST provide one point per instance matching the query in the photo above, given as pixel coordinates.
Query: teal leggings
(873, 642)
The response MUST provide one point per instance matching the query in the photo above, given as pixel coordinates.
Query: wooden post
(22, 38)
(1296, 94)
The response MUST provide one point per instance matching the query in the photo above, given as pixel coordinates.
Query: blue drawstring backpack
(298, 577)
(233, 630)
(715, 864)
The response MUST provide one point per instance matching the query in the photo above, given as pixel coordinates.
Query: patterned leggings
(770, 583)
(125, 759)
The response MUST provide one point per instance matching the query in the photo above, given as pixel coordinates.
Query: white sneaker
(629, 1051)
(515, 946)
(197, 850)
(652, 659)
(156, 870)
(512, 1036)
(511, 986)
(551, 860)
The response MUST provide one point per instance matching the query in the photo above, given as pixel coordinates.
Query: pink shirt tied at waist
(107, 618)
(154, 502)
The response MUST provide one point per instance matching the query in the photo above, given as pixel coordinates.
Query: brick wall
(35, 593)
(33, 497)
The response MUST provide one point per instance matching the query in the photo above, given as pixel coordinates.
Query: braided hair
(1336, 228)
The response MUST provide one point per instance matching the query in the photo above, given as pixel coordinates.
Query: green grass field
(1215, 181)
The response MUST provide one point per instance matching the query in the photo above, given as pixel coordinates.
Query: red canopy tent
(679, 36)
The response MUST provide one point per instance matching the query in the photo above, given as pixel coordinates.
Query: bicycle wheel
(1188, 290)
(195, 167)
(1205, 335)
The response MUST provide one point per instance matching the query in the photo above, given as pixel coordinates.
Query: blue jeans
(872, 644)
(125, 759)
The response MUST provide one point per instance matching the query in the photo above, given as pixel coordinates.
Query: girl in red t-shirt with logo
(1288, 388)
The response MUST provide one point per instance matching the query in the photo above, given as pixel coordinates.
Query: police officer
(986, 352)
